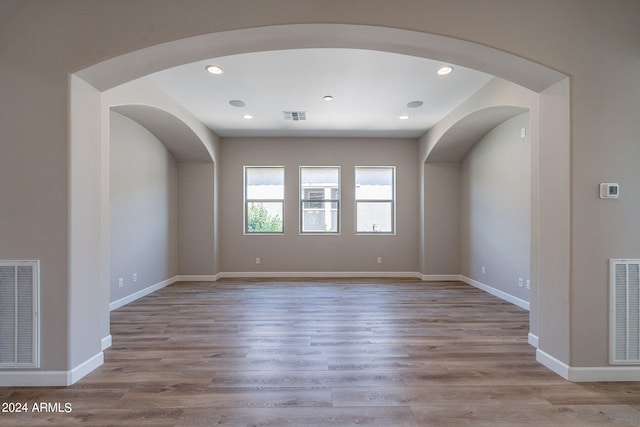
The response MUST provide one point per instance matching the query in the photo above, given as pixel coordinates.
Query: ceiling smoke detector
(296, 116)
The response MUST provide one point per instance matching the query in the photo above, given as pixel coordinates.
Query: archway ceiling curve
(133, 65)
(177, 136)
(456, 142)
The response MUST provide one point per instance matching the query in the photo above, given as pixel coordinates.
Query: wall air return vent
(625, 312)
(19, 313)
(296, 116)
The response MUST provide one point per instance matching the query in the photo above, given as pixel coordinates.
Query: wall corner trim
(497, 292)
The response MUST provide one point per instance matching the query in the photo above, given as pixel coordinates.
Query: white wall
(144, 209)
(292, 252)
(495, 209)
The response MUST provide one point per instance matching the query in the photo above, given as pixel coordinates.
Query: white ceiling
(370, 89)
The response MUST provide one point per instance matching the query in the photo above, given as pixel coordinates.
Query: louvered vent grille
(19, 314)
(625, 311)
(295, 115)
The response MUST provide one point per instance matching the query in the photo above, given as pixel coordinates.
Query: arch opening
(129, 67)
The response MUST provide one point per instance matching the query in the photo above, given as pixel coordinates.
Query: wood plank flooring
(325, 353)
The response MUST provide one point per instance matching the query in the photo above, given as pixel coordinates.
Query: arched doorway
(550, 262)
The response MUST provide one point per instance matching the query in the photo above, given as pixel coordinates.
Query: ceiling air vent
(296, 116)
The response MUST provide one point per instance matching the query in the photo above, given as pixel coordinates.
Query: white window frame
(392, 201)
(302, 201)
(246, 201)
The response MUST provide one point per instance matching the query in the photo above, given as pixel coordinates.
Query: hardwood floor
(324, 353)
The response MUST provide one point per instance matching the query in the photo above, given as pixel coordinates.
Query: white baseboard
(50, 378)
(588, 374)
(320, 274)
(552, 363)
(496, 292)
(141, 293)
(533, 340)
(604, 374)
(106, 342)
(440, 277)
(85, 368)
(197, 278)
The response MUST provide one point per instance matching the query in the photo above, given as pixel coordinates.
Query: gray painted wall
(495, 209)
(144, 209)
(196, 219)
(292, 252)
(441, 219)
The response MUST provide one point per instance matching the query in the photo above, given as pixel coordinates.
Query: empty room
(319, 213)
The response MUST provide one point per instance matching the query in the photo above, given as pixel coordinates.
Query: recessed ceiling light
(443, 71)
(328, 98)
(415, 104)
(404, 117)
(247, 116)
(237, 103)
(214, 69)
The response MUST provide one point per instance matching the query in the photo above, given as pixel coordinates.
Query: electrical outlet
(120, 282)
(484, 270)
(135, 277)
(520, 281)
(528, 284)
(379, 260)
(258, 260)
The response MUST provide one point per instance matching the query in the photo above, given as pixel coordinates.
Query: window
(375, 199)
(263, 199)
(319, 199)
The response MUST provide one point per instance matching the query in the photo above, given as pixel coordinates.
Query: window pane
(265, 183)
(374, 217)
(319, 197)
(264, 217)
(320, 177)
(320, 217)
(374, 183)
